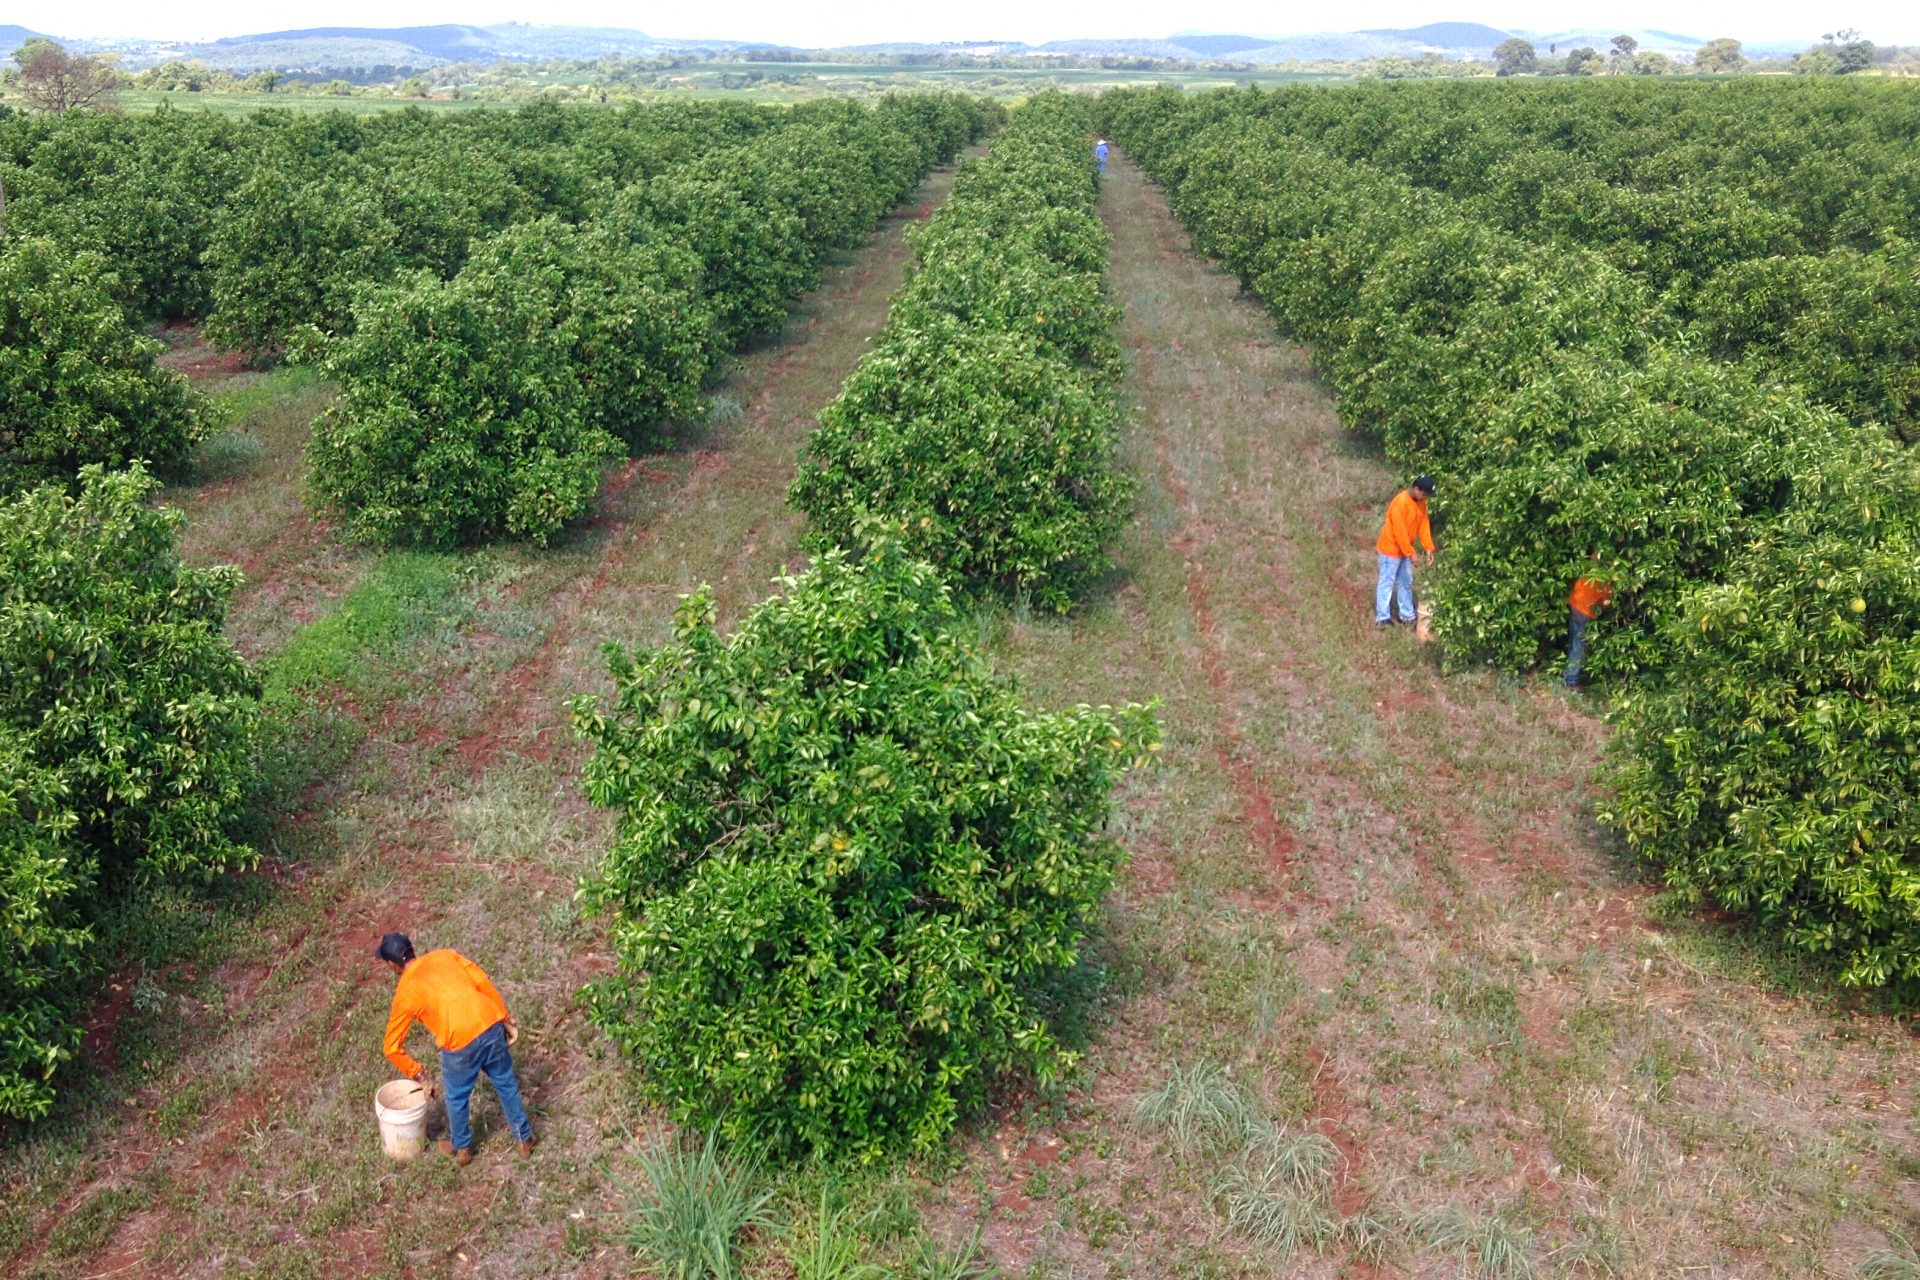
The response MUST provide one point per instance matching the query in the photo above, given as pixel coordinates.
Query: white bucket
(401, 1108)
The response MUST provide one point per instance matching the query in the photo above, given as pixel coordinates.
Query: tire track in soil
(1148, 216)
(1464, 861)
(841, 310)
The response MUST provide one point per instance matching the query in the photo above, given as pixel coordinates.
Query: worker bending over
(1405, 529)
(1583, 604)
(448, 994)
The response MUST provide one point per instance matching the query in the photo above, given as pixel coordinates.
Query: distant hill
(1449, 39)
(12, 37)
(448, 43)
(323, 51)
(1218, 46)
(1595, 38)
(1444, 35)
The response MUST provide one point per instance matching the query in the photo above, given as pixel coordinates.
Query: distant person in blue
(1100, 153)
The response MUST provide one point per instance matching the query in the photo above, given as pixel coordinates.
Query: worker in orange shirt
(1404, 531)
(449, 995)
(1586, 600)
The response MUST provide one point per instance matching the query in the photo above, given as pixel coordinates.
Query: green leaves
(980, 429)
(77, 385)
(127, 726)
(849, 860)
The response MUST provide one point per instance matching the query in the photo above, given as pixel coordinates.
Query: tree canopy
(1514, 57)
(51, 79)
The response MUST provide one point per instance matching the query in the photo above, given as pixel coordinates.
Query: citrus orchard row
(1766, 550)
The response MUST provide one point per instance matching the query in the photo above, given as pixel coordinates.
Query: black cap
(1424, 484)
(395, 947)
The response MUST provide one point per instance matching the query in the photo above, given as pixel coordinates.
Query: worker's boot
(463, 1157)
(526, 1148)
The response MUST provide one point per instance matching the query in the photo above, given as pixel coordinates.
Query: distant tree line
(1842, 52)
(43, 76)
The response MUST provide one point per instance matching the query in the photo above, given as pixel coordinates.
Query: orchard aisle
(1375, 894)
(460, 820)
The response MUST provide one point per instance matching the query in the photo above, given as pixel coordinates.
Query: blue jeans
(1396, 579)
(461, 1069)
(1576, 644)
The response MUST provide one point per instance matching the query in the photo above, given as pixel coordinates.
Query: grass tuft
(1897, 1263)
(933, 1261)
(1303, 1163)
(1202, 1108)
(702, 1202)
(1500, 1250)
(1277, 1192)
(829, 1247)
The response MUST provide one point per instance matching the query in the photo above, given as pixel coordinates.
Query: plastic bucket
(401, 1108)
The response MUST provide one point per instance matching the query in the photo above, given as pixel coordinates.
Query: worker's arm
(398, 1021)
(1425, 531)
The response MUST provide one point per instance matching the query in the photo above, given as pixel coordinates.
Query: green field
(749, 81)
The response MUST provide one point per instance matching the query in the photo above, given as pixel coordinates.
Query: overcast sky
(785, 22)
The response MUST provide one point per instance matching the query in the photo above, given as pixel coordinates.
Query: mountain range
(329, 50)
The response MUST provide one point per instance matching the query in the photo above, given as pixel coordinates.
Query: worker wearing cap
(449, 995)
(1405, 530)
(1586, 600)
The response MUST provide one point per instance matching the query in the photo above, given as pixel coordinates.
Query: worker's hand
(419, 1075)
(513, 1031)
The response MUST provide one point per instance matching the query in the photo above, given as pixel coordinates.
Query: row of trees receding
(854, 872)
(507, 303)
(1839, 53)
(1766, 550)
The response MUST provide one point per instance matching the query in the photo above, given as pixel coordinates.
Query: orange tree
(981, 427)
(852, 865)
(127, 729)
(77, 384)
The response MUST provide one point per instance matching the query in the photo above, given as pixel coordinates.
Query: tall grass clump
(700, 1202)
(1201, 1108)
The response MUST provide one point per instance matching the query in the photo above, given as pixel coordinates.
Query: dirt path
(458, 820)
(1376, 893)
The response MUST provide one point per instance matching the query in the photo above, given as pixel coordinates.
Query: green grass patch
(182, 1109)
(263, 394)
(358, 657)
(88, 1227)
(403, 596)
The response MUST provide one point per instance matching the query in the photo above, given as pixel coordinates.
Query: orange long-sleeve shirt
(1405, 524)
(1588, 596)
(447, 994)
